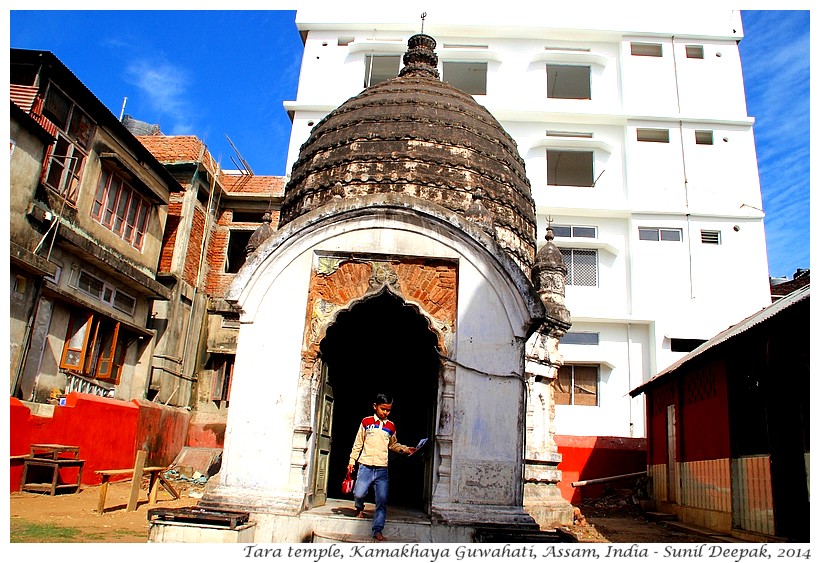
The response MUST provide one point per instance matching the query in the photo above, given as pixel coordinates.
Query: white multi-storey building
(640, 153)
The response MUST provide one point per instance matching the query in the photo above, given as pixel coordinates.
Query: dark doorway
(383, 345)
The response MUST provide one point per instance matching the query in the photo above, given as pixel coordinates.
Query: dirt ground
(607, 521)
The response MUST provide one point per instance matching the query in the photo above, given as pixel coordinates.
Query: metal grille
(710, 237)
(582, 266)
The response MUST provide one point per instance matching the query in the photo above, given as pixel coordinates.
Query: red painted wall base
(108, 431)
(594, 457)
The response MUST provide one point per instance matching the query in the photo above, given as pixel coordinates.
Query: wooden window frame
(99, 357)
(571, 400)
(120, 208)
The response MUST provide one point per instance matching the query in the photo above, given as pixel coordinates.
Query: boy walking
(375, 437)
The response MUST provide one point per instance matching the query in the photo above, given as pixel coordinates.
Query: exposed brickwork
(218, 281)
(178, 148)
(234, 183)
(191, 268)
(430, 284)
(169, 238)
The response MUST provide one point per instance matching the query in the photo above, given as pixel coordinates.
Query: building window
(569, 168)
(581, 338)
(94, 347)
(694, 51)
(582, 266)
(222, 379)
(657, 234)
(704, 138)
(574, 231)
(709, 237)
(64, 162)
(469, 77)
(646, 49)
(101, 291)
(118, 207)
(378, 68)
(653, 135)
(237, 243)
(577, 385)
(568, 82)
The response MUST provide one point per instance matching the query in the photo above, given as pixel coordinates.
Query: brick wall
(195, 241)
(169, 238)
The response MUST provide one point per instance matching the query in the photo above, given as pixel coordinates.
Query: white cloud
(164, 87)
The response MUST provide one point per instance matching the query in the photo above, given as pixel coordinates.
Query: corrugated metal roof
(731, 332)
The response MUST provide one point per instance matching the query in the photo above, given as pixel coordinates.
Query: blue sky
(218, 73)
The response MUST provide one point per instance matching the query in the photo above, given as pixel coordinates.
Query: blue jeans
(377, 477)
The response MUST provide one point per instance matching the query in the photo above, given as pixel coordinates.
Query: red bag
(347, 484)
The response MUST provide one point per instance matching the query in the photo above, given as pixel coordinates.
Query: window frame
(102, 353)
(368, 67)
(704, 137)
(644, 49)
(652, 135)
(570, 279)
(694, 51)
(121, 208)
(553, 175)
(558, 393)
(65, 158)
(586, 94)
(572, 231)
(594, 338)
(660, 234)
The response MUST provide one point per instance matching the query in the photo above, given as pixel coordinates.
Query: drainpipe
(685, 177)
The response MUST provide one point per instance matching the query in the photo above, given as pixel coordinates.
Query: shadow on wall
(595, 457)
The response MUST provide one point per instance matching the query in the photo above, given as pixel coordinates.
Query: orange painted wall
(594, 457)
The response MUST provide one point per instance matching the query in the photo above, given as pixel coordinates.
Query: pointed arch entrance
(382, 344)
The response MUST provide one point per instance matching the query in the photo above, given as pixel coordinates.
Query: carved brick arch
(338, 283)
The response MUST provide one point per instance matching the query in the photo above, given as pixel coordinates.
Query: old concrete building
(402, 264)
(88, 208)
(212, 217)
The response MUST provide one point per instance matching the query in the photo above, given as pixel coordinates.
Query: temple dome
(420, 137)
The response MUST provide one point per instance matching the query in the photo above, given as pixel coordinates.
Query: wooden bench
(155, 480)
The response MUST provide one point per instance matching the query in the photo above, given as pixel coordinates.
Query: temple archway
(384, 345)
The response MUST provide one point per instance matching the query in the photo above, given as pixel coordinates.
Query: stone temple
(405, 262)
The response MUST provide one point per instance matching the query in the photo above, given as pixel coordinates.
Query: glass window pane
(671, 234)
(379, 68)
(562, 230)
(648, 234)
(584, 232)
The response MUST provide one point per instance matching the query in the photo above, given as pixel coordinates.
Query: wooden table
(53, 457)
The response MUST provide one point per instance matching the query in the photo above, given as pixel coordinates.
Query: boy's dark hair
(383, 399)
